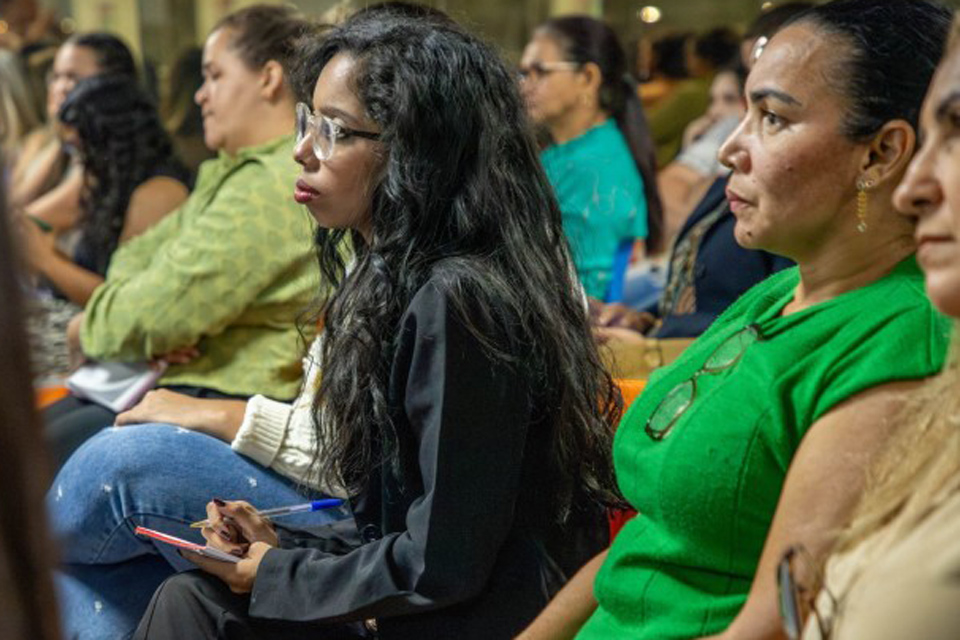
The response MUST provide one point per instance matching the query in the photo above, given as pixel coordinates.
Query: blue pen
(315, 505)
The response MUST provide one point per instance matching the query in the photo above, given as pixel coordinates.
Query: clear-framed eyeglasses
(325, 132)
(539, 70)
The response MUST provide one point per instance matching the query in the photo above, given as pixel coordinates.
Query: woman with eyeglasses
(600, 160)
(462, 403)
(895, 571)
(231, 272)
(757, 438)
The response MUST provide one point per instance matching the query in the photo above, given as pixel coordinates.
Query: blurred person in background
(28, 24)
(684, 181)
(131, 180)
(666, 68)
(600, 160)
(47, 180)
(216, 287)
(28, 608)
(705, 55)
(17, 117)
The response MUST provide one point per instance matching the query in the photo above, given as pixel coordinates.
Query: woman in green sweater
(756, 439)
(217, 287)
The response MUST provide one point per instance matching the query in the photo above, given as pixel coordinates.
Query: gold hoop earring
(862, 186)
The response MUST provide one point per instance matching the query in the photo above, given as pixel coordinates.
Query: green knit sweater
(229, 271)
(708, 490)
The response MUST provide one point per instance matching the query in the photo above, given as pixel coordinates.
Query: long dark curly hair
(123, 144)
(462, 184)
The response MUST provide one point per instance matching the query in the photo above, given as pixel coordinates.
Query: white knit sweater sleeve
(281, 436)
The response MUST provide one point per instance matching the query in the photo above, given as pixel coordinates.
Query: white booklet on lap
(115, 385)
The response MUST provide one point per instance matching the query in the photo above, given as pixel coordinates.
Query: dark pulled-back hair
(462, 185)
(112, 55)
(261, 33)
(770, 21)
(584, 39)
(123, 144)
(891, 49)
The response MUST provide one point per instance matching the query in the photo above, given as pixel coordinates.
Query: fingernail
(219, 502)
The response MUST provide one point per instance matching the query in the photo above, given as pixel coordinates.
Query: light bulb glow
(650, 14)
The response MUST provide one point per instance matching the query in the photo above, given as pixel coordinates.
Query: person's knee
(100, 485)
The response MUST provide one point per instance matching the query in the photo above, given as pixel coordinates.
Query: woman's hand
(184, 355)
(161, 405)
(620, 315)
(240, 576)
(218, 418)
(250, 526)
(237, 529)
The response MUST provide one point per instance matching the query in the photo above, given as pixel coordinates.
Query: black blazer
(455, 543)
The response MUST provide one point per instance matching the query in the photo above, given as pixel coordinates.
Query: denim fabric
(158, 476)
(643, 285)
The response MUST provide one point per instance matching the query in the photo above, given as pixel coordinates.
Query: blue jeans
(643, 285)
(158, 476)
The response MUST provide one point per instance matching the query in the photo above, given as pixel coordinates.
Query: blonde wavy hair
(921, 463)
(923, 459)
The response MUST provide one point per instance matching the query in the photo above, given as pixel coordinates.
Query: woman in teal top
(601, 164)
(758, 437)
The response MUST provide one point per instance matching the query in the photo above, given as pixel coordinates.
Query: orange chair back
(46, 396)
(630, 389)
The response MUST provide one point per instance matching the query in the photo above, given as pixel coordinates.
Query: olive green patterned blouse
(229, 271)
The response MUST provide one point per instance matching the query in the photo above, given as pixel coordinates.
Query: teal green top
(601, 197)
(229, 271)
(706, 493)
